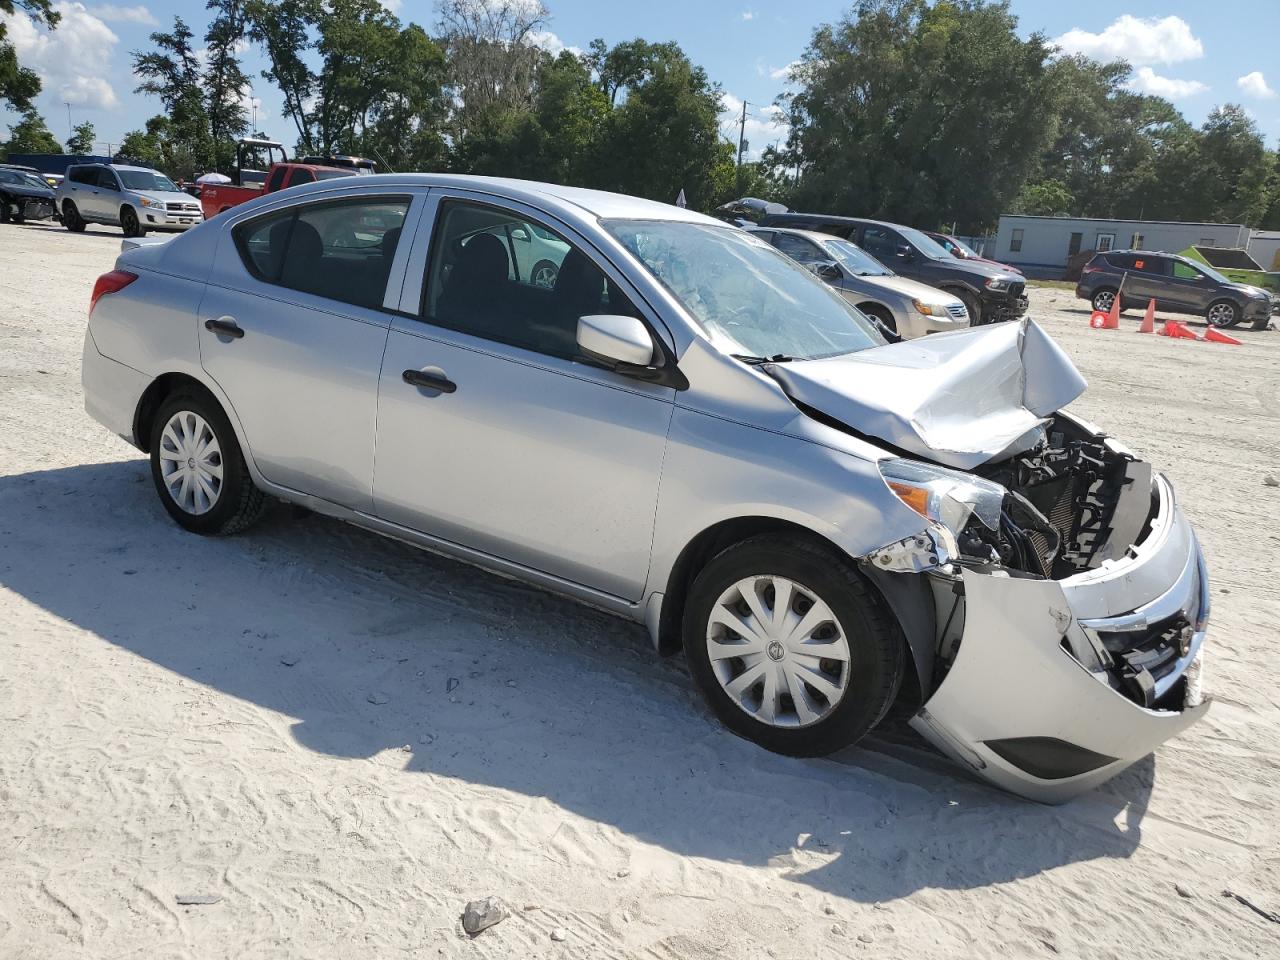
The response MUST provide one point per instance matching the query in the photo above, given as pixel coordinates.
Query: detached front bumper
(1057, 686)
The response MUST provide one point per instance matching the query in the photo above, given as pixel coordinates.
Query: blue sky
(1180, 49)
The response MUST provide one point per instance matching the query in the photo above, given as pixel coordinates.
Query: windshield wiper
(756, 361)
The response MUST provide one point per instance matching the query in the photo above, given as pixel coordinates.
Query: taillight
(1089, 268)
(112, 282)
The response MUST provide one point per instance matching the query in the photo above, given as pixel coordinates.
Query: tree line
(931, 113)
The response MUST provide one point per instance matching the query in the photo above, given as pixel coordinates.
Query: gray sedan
(907, 307)
(686, 429)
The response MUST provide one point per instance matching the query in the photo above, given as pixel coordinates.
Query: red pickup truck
(247, 182)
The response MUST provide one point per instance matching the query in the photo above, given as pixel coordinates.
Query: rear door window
(86, 175)
(341, 250)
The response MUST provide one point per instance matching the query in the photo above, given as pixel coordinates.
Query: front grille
(1015, 290)
(180, 207)
(1145, 657)
(957, 310)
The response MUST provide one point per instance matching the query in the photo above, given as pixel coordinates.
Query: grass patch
(1053, 284)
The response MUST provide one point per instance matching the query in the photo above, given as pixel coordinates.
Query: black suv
(1177, 285)
(989, 293)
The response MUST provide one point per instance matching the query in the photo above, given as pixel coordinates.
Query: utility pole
(742, 132)
(70, 130)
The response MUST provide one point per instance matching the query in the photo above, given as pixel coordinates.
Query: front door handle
(432, 381)
(224, 327)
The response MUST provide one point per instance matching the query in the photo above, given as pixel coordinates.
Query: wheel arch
(154, 396)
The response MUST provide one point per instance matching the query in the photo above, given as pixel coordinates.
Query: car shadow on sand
(370, 645)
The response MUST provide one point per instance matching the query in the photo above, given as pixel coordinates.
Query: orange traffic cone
(1214, 335)
(1113, 318)
(1149, 321)
(1098, 320)
(1172, 328)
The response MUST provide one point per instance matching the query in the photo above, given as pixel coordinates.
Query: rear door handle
(432, 381)
(224, 327)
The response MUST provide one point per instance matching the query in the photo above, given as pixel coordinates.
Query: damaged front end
(1069, 599)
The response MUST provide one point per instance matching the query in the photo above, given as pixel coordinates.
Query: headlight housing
(946, 497)
(146, 201)
(928, 309)
(997, 283)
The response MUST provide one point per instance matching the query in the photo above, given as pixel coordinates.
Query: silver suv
(136, 199)
(687, 429)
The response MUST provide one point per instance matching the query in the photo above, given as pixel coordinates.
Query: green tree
(224, 80)
(919, 112)
(1235, 171)
(82, 139)
(30, 135)
(283, 29)
(19, 85)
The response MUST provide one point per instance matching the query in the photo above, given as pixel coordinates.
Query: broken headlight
(946, 497)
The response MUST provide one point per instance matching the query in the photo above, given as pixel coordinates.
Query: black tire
(1223, 314)
(239, 503)
(881, 314)
(972, 306)
(1103, 298)
(71, 218)
(4, 210)
(549, 269)
(876, 645)
(130, 225)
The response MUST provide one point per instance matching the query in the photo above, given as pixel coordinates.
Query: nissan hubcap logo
(775, 650)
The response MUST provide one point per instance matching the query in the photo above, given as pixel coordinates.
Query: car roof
(129, 166)
(574, 201)
(815, 235)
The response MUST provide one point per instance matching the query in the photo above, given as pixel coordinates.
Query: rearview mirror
(617, 338)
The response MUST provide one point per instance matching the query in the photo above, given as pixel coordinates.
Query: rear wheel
(1223, 314)
(198, 469)
(4, 210)
(790, 646)
(71, 218)
(130, 224)
(544, 274)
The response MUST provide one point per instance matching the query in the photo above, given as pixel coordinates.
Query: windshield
(742, 290)
(146, 180)
(23, 178)
(927, 246)
(856, 260)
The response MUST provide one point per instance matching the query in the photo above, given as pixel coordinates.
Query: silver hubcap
(191, 463)
(1220, 314)
(1103, 301)
(546, 277)
(778, 651)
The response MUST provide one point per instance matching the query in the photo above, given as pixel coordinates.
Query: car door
(292, 328)
(491, 433)
(106, 196)
(1190, 288)
(1147, 280)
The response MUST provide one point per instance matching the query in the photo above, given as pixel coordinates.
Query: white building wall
(1045, 241)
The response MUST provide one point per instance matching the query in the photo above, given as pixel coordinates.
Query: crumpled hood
(957, 398)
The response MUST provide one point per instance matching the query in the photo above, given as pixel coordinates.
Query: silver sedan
(685, 428)
(907, 307)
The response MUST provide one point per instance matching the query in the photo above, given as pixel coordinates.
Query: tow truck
(258, 171)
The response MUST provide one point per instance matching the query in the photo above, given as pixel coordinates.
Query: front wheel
(4, 210)
(971, 306)
(198, 469)
(1223, 314)
(790, 646)
(130, 224)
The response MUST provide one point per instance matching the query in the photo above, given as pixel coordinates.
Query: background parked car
(907, 308)
(136, 199)
(962, 251)
(1178, 285)
(989, 293)
(24, 196)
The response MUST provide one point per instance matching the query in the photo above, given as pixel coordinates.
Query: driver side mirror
(520, 233)
(905, 252)
(826, 269)
(615, 338)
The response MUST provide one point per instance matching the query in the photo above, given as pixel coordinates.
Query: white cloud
(783, 73)
(392, 5)
(749, 14)
(1147, 80)
(1255, 85)
(549, 42)
(1138, 40)
(71, 59)
(112, 13)
(765, 125)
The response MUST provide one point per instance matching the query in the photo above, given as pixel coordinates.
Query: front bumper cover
(1021, 709)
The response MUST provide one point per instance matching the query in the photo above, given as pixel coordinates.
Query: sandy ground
(187, 716)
